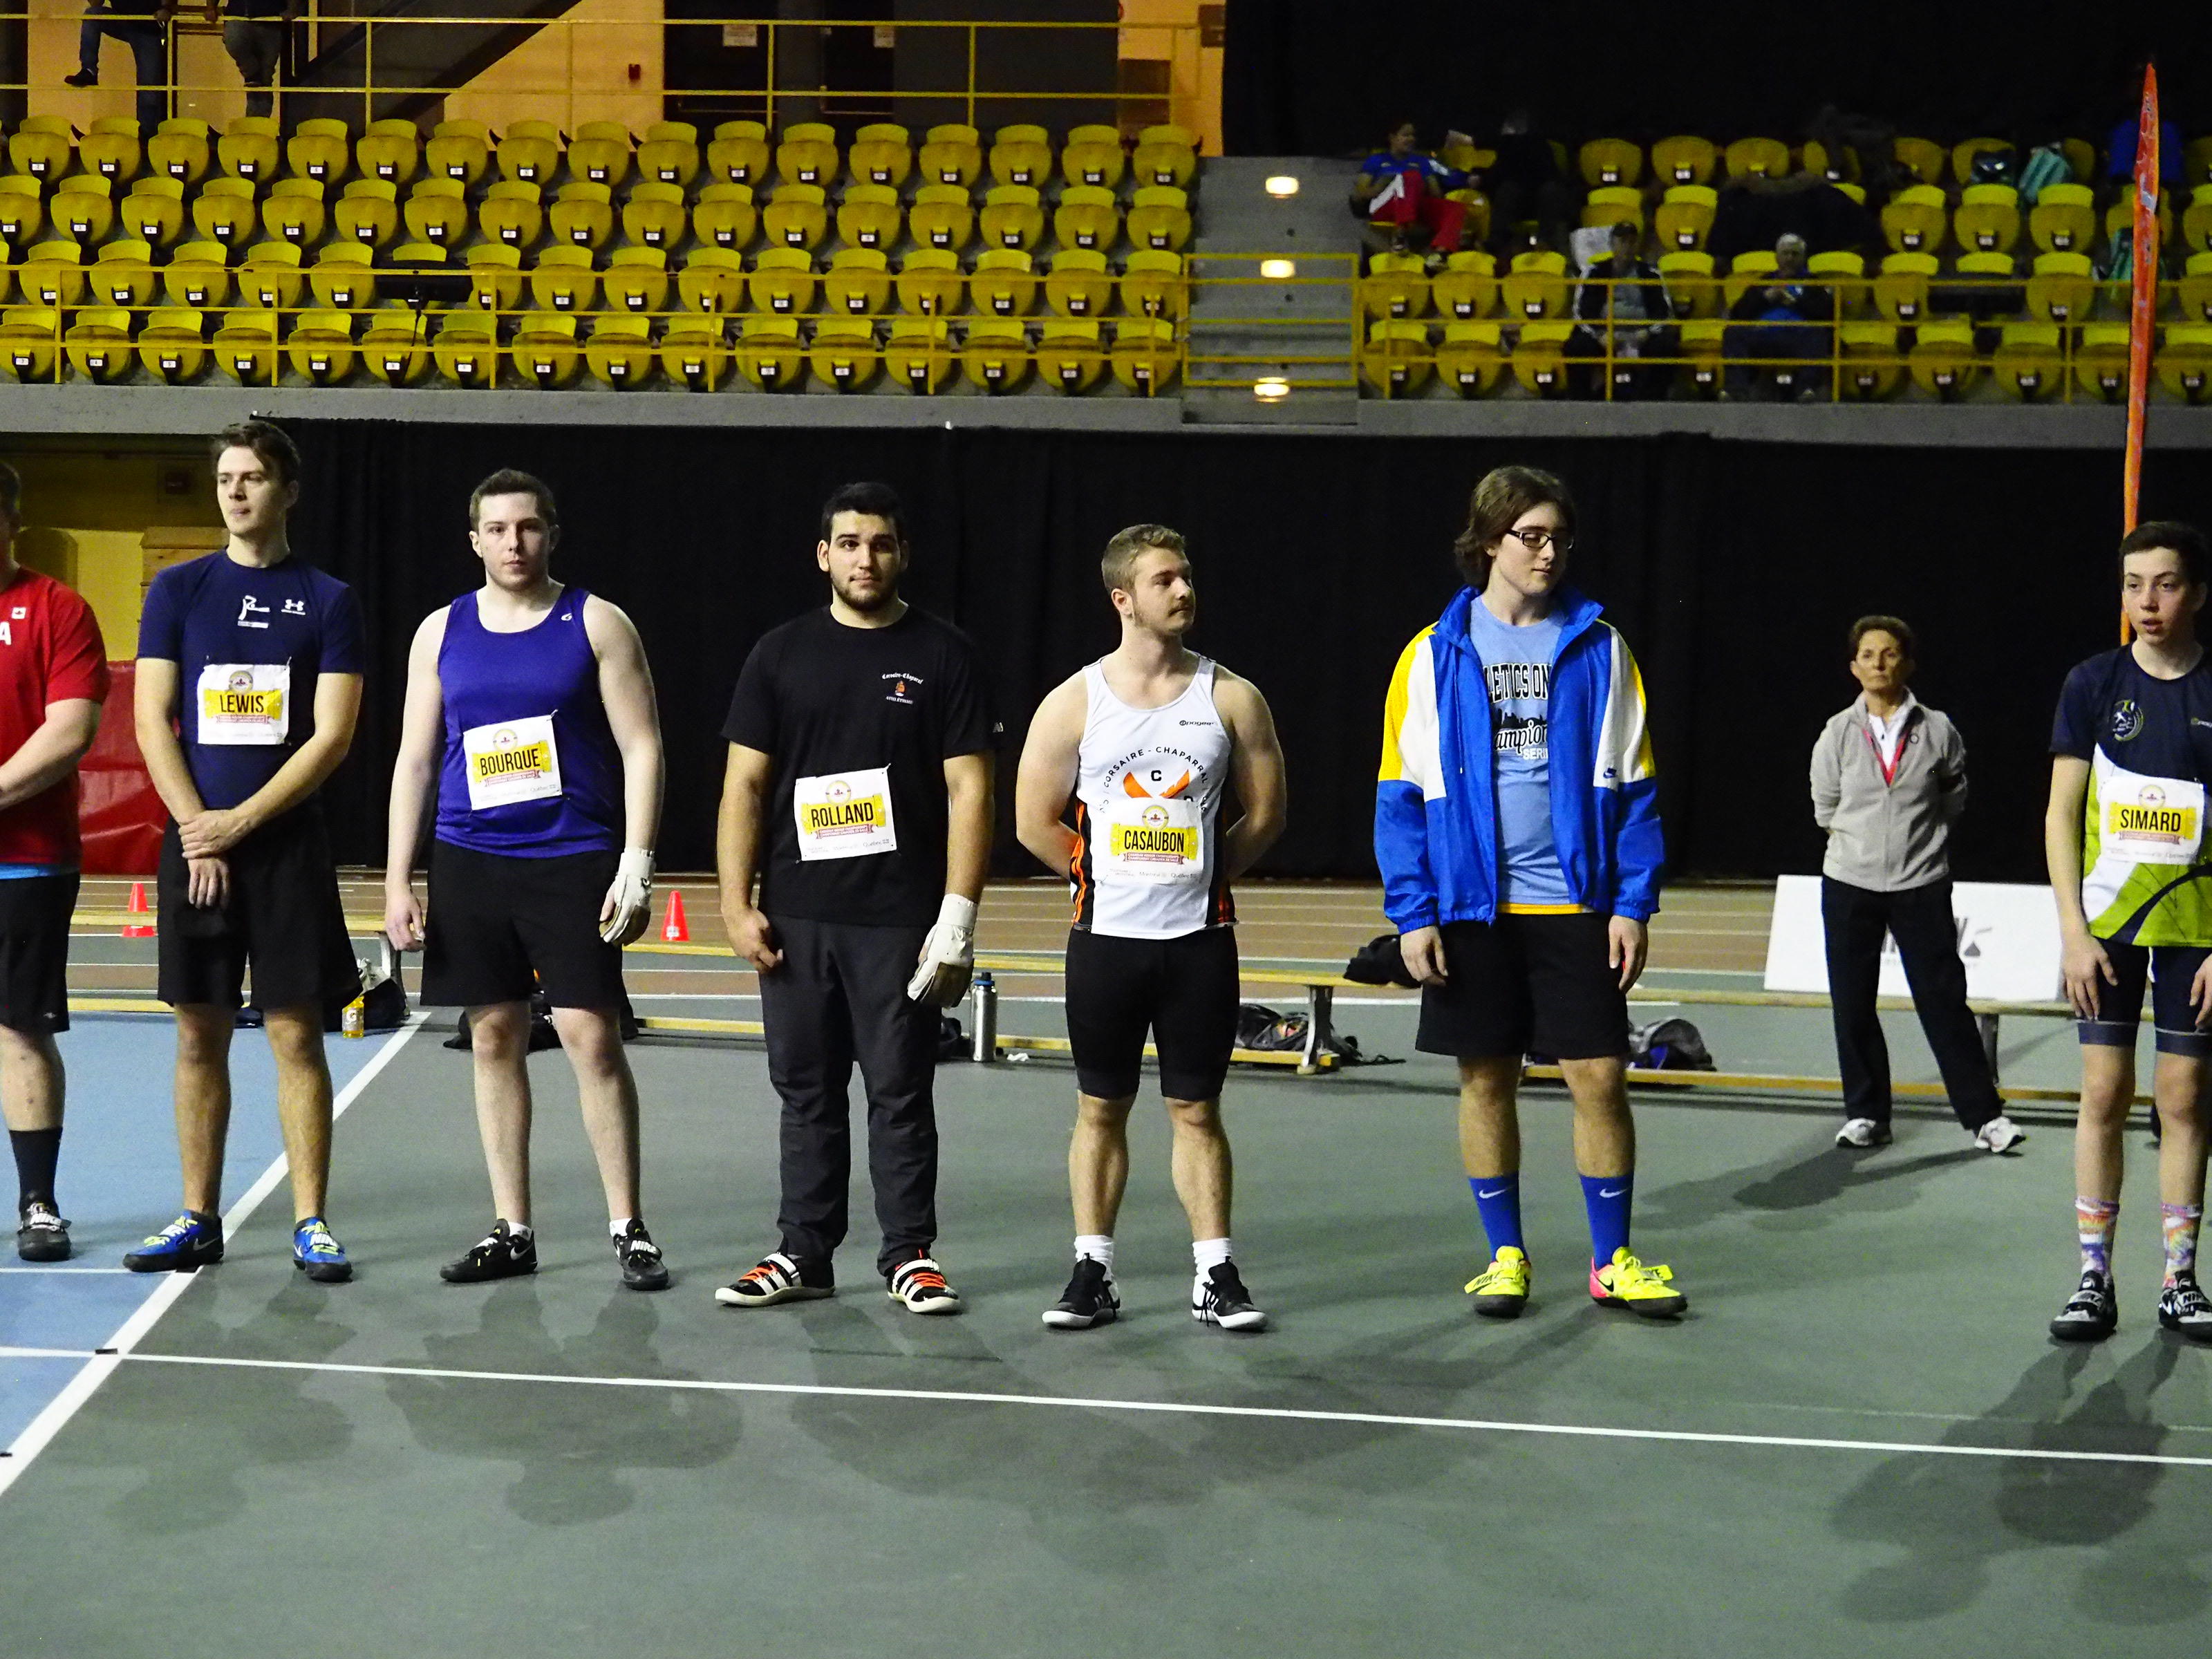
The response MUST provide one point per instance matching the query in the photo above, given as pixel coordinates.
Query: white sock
(1099, 1247)
(1209, 1254)
(616, 1229)
(517, 1230)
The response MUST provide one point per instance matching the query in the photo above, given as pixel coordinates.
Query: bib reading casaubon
(512, 761)
(1155, 840)
(2143, 835)
(845, 815)
(244, 702)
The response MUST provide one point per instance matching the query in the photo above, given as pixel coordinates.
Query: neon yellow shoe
(1625, 1282)
(1501, 1289)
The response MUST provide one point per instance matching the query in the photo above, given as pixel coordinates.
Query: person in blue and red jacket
(1517, 827)
(1400, 186)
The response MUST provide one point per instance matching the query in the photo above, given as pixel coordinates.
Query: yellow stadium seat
(1700, 343)
(713, 280)
(797, 216)
(320, 347)
(1093, 156)
(2120, 217)
(1744, 270)
(1613, 204)
(807, 154)
(1914, 220)
(653, 216)
(198, 276)
(173, 346)
(996, 356)
(1396, 285)
(858, 281)
(179, 149)
(22, 210)
(1988, 219)
(599, 153)
(246, 347)
(2100, 360)
(2028, 361)
(511, 213)
(1900, 291)
(1021, 154)
(392, 150)
(250, 148)
(1539, 359)
(412, 255)
(1925, 161)
(1087, 217)
(270, 277)
(844, 352)
(2063, 219)
(1963, 155)
(2183, 362)
(1466, 157)
(30, 341)
(1144, 358)
(1079, 284)
(951, 155)
(436, 211)
(1003, 284)
(293, 211)
(1871, 365)
(53, 274)
(1160, 218)
(1846, 271)
(725, 216)
(1478, 213)
(582, 214)
(1841, 168)
(563, 280)
(1606, 162)
(1013, 216)
(636, 280)
(1466, 288)
(783, 282)
(1154, 285)
(2063, 288)
(2197, 161)
(343, 276)
(2197, 220)
(869, 217)
(1166, 155)
(154, 211)
(917, 352)
(941, 218)
(1685, 160)
(738, 153)
(1693, 290)
(320, 150)
(396, 345)
(2195, 289)
(1685, 218)
(1942, 361)
(123, 274)
(496, 280)
(367, 212)
(530, 152)
(1070, 355)
(619, 352)
(1472, 358)
(466, 349)
(882, 153)
(1757, 158)
(545, 348)
(83, 209)
(43, 147)
(98, 344)
(768, 352)
(693, 351)
(929, 282)
(111, 148)
(1536, 286)
(670, 154)
(459, 150)
(1395, 359)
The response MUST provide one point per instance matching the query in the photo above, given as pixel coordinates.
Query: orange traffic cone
(138, 907)
(672, 928)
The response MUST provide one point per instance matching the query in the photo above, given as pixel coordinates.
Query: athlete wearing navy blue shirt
(248, 685)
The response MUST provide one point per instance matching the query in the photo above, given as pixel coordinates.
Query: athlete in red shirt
(53, 679)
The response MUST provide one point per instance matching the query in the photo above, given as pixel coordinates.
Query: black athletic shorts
(1525, 985)
(35, 935)
(499, 926)
(283, 918)
(1182, 990)
(2119, 1007)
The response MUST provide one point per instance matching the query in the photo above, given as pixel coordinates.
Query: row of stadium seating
(1689, 160)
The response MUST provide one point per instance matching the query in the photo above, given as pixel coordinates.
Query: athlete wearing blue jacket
(1516, 828)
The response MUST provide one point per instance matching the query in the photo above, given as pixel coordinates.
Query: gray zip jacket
(1888, 835)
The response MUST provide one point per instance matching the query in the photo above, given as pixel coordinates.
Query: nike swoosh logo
(1616, 1192)
(2193, 721)
(1500, 1193)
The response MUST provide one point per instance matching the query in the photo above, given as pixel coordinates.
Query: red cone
(672, 928)
(138, 907)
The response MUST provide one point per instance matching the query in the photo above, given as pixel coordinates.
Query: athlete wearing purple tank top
(529, 706)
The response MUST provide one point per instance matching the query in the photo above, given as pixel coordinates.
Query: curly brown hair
(1504, 494)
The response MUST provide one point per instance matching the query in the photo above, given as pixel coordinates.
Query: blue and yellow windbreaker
(1435, 805)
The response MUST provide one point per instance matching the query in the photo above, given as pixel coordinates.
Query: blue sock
(1497, 1198)
(1607, 1198)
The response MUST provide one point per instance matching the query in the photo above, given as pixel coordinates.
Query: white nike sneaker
(1862, 1131)
(1999, 1135)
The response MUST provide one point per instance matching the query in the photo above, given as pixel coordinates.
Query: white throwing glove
(948, 955)
(631, 896)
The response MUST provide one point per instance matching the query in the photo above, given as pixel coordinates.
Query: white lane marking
(1275, 1413)
(100, 1366)
(52, 1268)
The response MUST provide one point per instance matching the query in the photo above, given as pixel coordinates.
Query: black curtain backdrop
(1734, 569)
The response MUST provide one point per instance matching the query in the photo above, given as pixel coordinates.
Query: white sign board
(2008, 935)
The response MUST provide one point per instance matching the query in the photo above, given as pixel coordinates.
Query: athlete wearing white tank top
(1143, 742)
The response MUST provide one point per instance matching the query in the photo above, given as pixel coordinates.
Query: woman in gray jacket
(1889, 780)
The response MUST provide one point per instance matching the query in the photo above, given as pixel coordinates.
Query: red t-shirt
(50, 652)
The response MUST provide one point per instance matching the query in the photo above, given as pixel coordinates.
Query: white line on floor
(98, 1367)
(55, 1269)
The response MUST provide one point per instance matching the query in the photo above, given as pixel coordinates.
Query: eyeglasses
(1537, 540)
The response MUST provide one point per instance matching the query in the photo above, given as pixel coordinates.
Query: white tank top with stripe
(1148, 791)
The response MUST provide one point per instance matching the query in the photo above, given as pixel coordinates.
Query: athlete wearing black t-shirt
(859, 790)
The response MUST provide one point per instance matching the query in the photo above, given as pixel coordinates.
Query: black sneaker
(43, 1236)
(1220, 1298)
(642, 1269)
(2183, 1306)
(82, 79)
(1088, 1300)
(499, 1255)
(2092, 1315)
(779, 1278)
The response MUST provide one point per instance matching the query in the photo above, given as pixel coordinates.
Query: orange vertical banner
(2141, 315)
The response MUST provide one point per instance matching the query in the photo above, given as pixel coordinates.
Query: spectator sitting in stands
(1524, 184)
(1399, 188)
(1634, 303)
(132, 22)
(1774, 320)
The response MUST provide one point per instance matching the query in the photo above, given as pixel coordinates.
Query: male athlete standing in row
(53, 679)
(858, 789)
(1147, 739)
(530, 705)
(249, 681)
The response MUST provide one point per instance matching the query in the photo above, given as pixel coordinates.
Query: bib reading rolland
(531, 768)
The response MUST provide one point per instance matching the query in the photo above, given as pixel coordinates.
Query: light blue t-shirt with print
(1517, 665)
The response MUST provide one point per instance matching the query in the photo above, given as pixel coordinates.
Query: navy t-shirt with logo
(249, 644)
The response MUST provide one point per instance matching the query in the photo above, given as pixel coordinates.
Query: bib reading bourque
(512, 761)
(1156, 842)
(244, 703)
(845, 815)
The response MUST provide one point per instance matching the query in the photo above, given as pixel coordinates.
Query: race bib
(845, 815)
(2151, 820)
(244, 702)
(511, 761)
(1155, 840)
